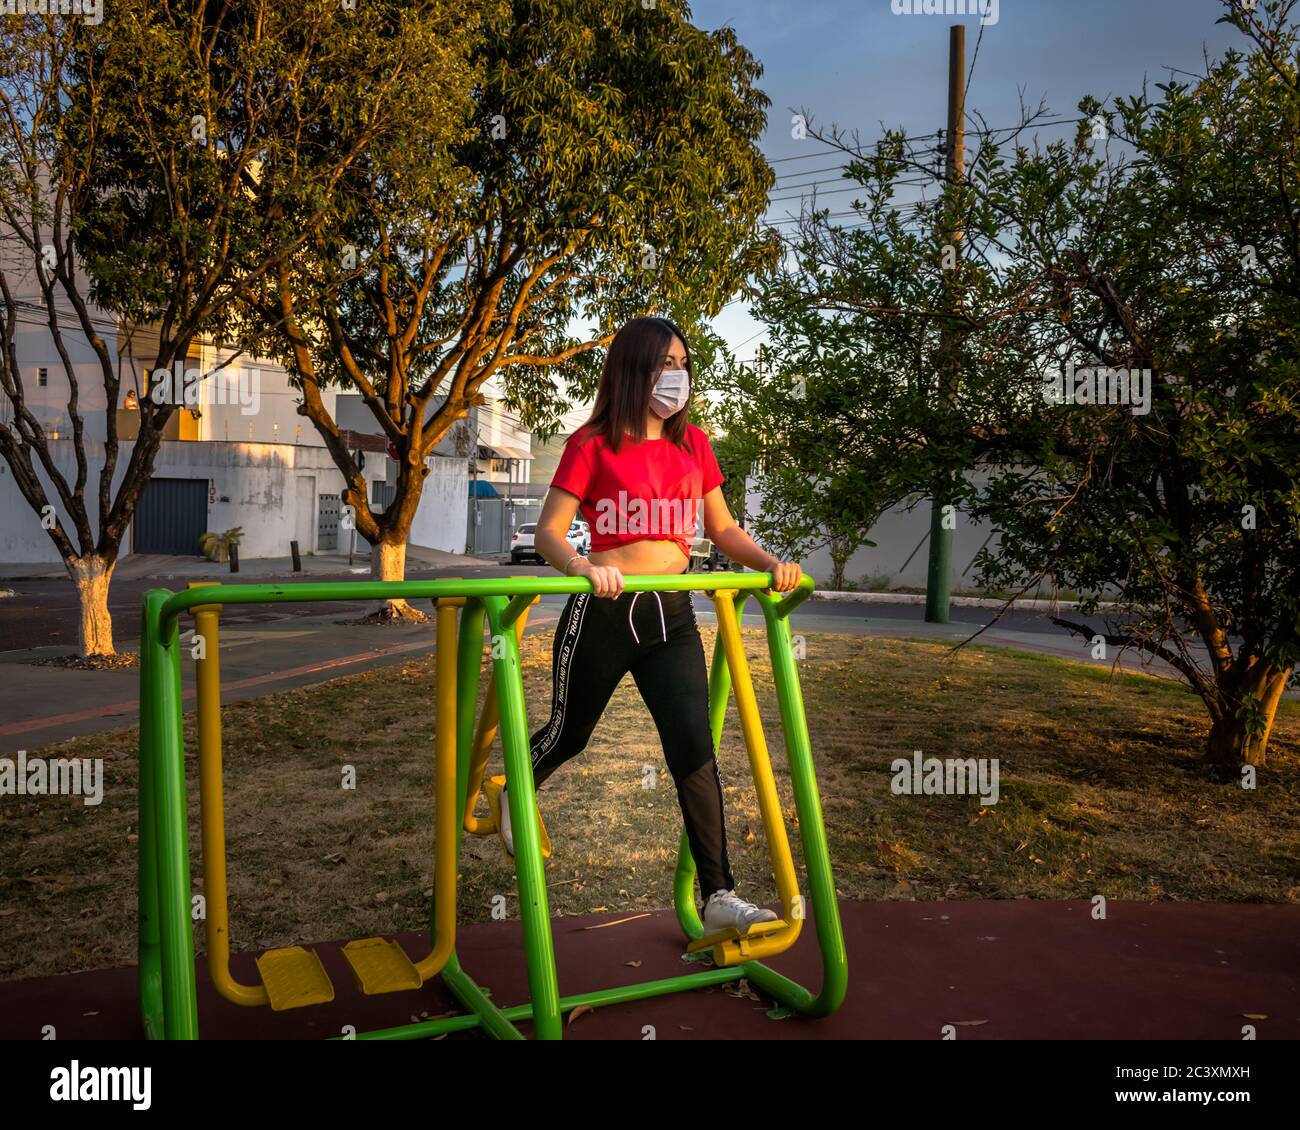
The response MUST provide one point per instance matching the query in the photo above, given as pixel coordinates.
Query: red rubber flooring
(995, 970)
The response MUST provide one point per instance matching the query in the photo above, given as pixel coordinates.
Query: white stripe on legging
(560, 693)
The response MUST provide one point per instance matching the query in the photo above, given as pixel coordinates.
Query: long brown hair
(627, 379)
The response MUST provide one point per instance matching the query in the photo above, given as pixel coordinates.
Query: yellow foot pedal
(492, 787)
(380, 965)
(741, 941)
(294, 978)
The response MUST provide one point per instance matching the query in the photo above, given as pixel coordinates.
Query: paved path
(1019, 969)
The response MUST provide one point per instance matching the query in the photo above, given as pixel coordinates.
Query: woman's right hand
(607, 580)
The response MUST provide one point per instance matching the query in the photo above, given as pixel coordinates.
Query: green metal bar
(167, 973)
(781, 989)
(812, 829)
(480, 587)
(149, 938)
(516, 608)
(469, 660)
(171, 831)
(529, 869)
(938, 579)
(704, 979)
(483, 1012)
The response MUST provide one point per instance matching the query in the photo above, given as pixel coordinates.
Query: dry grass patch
(1102, 792)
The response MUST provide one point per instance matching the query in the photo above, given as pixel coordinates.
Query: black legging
(655, 636)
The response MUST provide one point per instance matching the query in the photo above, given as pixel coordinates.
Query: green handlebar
(308, 591)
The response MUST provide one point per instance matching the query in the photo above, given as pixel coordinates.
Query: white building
(237, 454)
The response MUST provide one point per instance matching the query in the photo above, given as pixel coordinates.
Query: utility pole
(938, 586)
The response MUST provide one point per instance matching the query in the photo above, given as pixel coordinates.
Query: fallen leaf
(1255, 1015)
(967, 1023)
(579, 1011)
(741, 989)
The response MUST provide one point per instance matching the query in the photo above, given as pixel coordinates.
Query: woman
(638, 470)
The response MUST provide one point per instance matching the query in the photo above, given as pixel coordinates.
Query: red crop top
(649, 489)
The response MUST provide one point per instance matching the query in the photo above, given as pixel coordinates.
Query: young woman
(638, 470)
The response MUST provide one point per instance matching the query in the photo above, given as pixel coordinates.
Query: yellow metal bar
(733, 951)
(445, 812)
(212, 819)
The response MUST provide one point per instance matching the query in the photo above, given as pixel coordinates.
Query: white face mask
(671, 392)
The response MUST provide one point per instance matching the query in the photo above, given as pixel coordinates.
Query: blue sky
(856, 64)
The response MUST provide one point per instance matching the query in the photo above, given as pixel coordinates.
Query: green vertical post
(812, 828)
(165, 767)
(938, 580)
(529, 868)
(469, 659)
(149, 939)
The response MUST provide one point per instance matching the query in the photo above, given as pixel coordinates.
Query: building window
(42, 377)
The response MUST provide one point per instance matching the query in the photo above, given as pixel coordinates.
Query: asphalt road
(268, 648)
(43, 613)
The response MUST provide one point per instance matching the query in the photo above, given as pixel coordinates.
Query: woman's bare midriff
(644, 556)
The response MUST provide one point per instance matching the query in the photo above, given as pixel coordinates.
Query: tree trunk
(840, 550)
(388, 563)
(1233, 740)
(91, 576)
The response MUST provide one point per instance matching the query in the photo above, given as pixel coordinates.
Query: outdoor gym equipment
(294, 977)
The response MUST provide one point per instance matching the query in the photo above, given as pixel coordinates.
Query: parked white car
(522, 547)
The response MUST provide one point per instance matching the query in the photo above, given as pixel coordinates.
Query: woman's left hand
(785, 575)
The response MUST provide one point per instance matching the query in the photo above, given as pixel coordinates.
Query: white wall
(897, 535)
(250, 485)
(440, 520)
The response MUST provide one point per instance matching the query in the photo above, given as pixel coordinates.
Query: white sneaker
(727, 910)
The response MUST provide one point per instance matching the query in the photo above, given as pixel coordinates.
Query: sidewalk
(164, 567)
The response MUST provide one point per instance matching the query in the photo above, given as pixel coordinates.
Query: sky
(857, 65)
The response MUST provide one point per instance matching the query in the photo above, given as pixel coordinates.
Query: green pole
(529, 869)
(170, 833)
(149, 938)
(812, 829)
(938, 581)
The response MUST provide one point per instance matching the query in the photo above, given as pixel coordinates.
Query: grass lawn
(1102, 792)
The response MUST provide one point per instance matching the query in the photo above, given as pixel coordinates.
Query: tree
(1159, 246)
(784, 428)
(132, 158)
(607, 168)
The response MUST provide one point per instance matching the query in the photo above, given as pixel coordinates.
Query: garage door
(171, 516)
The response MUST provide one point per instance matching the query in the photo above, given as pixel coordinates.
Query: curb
(1028, 604)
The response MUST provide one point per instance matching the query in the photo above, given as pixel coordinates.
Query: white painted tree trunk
(388, 563)
(91, 576)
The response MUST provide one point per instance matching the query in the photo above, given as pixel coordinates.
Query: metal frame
(168, 994)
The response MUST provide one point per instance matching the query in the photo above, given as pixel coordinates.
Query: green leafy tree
(607, 167)
(153, 167)
(1161, 240)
